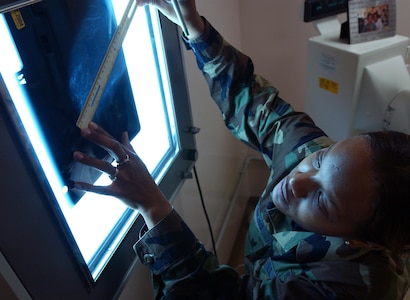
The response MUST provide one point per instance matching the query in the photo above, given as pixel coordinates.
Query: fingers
(132, 182)
(101, 165)
(99, 129)
(120, 152)
(103, 190)
(126, 141)
(143, 2)
(99, 136)
(153, 2)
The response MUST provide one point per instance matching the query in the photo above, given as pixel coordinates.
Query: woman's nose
(303, 183)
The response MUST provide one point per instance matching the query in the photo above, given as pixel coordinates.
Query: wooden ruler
(104, 71)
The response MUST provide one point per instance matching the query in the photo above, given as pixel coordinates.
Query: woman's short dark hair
(390, 159)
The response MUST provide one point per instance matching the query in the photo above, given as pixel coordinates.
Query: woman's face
(331, 191)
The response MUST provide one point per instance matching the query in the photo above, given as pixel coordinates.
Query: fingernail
(92, 125)
(86, 131)
(78, 155)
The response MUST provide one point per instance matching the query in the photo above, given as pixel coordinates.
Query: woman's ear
(356, 243)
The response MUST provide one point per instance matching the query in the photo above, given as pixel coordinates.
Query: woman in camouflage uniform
(331, 224)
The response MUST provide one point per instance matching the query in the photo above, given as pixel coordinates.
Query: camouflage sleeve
(251, 107)
(183, 269)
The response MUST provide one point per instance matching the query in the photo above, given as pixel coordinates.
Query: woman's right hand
(132, 183)
(189, 13)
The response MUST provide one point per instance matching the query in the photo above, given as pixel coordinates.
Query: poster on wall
(9, 5)
(371, 20)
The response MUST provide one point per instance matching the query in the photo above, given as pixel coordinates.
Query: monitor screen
(319, 9)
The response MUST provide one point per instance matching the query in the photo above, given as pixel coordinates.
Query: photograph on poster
(371, 20)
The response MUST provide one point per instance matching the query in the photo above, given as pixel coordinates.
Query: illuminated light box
(50, 53)
(61, 45)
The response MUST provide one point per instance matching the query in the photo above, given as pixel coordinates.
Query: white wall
(273, 34)
(220, 155)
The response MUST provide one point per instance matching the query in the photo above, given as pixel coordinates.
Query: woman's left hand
(132, 183)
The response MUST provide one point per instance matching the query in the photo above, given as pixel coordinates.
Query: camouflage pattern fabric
(283, 261)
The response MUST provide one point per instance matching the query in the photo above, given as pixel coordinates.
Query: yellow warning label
(18, 19)
(329, 85)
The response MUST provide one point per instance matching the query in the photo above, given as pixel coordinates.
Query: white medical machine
(354, 88)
